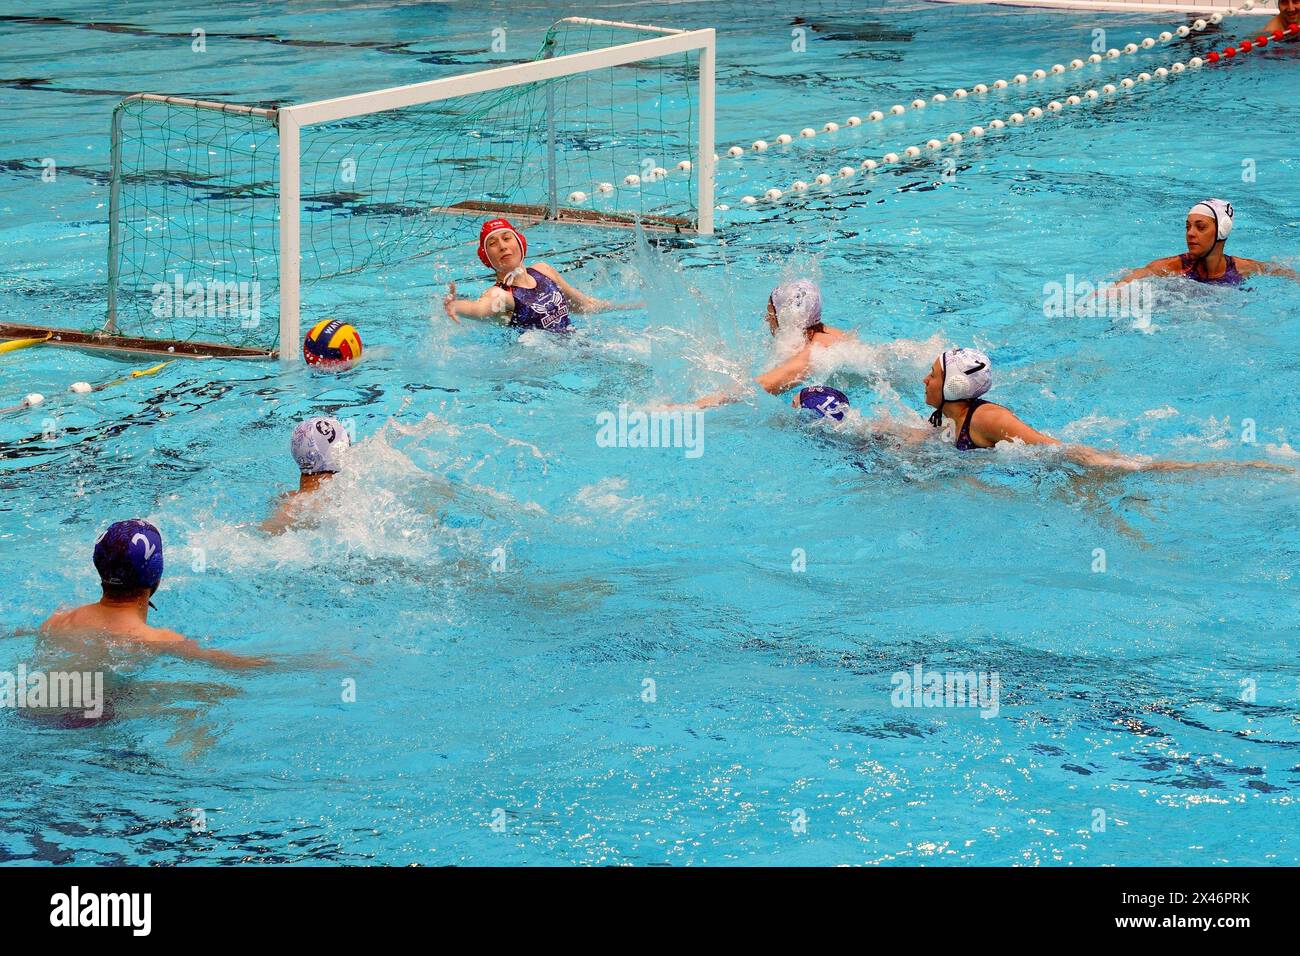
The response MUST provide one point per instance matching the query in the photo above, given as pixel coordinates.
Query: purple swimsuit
(542, 307)
(964, 442)
(1230, 275)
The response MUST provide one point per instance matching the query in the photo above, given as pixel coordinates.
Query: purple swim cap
(129, 555)
(825, 401)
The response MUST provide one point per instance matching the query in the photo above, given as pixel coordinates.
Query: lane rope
(1200, 25)
(774, 194)
(13, 345)
(84, 388)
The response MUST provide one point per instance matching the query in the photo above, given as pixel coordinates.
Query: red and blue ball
(331, 344)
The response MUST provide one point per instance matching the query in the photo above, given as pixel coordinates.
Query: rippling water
(566, 653)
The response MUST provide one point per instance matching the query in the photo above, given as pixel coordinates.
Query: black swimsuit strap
(970, 413)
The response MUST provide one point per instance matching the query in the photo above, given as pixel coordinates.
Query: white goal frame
(292, 119)
(289, 121)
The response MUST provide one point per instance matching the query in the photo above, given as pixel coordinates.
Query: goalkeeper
(529, 297)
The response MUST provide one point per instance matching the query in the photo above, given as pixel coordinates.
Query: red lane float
(1245, 46)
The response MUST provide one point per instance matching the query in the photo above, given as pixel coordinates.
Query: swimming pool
(571, 654)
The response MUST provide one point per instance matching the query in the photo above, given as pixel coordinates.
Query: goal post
(195, 175)
(613, 134)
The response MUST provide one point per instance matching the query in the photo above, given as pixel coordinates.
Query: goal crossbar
(485, 81)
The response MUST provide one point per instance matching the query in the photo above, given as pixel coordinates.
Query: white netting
(196, 189)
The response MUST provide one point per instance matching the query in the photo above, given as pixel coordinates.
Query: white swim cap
(318, 445)
(1220, 210)
(966, 374)
(798, 304)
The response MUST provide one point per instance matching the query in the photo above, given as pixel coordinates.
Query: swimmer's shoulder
(83, 617)
(832, 336)
(290, 509)
(59, 621)
(986, 409)
(991, 423)
(82, 624)
(1167, 264)
(144, 634)
(988, 422)
(159, 635)
(282, 515)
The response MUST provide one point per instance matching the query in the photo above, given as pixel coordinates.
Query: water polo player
(1208, 225)
(1286, 23)
(129, 559)
(796, 308)
(954, 386)
(528, 297)
(318, 446)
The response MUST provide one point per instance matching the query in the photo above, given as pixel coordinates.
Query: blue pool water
(501, 589)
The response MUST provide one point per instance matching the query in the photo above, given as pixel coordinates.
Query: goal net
(232, 225)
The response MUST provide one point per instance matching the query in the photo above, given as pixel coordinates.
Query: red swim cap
(496, 225)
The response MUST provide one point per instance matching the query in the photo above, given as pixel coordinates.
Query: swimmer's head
(824, 401)
(1290, 11)
(501, 246)
(318, 445)
(795, 305)
(957, 375)
(129, 559)
(1208, 222)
